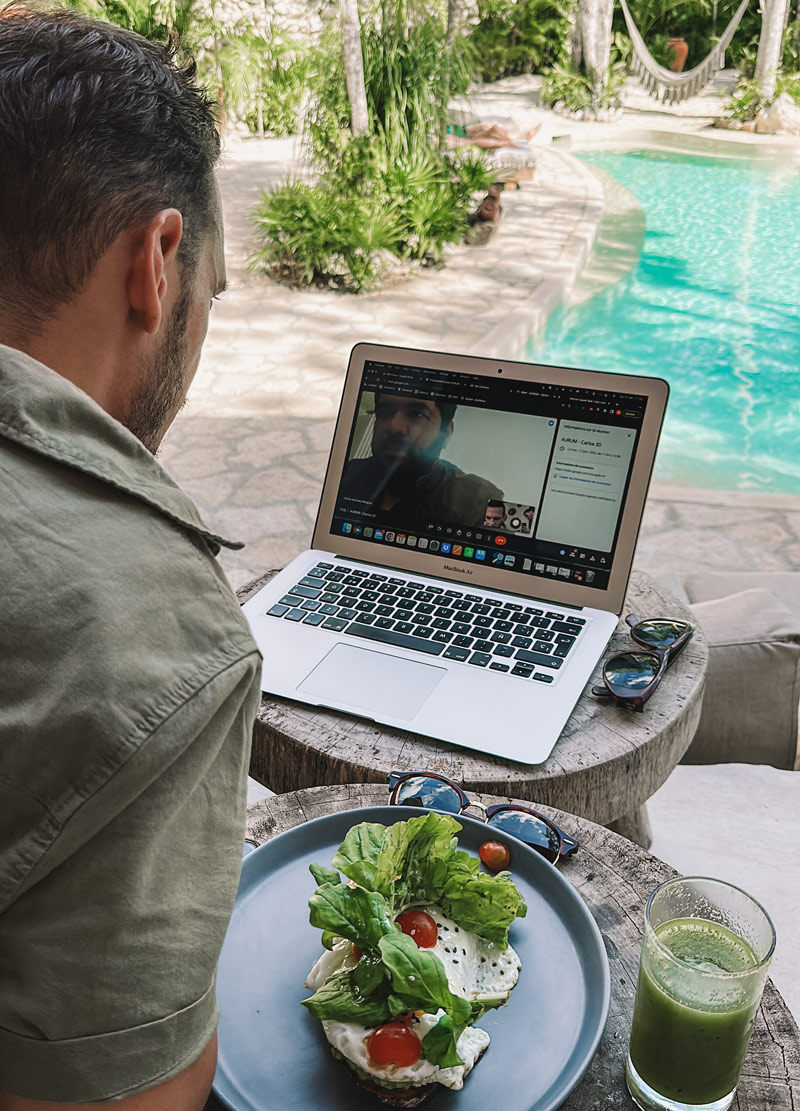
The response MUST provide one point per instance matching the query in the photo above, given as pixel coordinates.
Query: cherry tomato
(358, 952)
(495, 855)
(394, 1044)
(420, 926)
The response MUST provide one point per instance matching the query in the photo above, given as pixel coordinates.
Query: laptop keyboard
(496, 634)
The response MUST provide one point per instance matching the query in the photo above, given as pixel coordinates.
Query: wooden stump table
(606, 764)
(614, 878)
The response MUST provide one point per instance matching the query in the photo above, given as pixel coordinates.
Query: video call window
(416, 462)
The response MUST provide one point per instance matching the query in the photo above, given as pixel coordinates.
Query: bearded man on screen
(128, 677)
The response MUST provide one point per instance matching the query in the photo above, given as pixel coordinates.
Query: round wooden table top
(614, 878)
(606, 764)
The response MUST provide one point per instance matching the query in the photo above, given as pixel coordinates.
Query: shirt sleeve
(108, 953)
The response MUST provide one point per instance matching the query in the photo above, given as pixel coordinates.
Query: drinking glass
(706, 948)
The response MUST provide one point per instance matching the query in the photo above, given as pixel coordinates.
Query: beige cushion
(752, 689)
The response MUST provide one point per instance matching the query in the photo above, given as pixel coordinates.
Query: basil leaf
(328, 939)
(412, 865)
(486, 905)
(440, 1044)
(338, 999)
(351, 912)
(419, 978)
(358, 853)
(369, 973)
(324, 875)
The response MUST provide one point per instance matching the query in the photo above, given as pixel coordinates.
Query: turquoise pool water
(714, 307)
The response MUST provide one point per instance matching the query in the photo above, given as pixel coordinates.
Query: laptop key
(384, 611)
(444, 637)
(384, 623)
(334, 576)
(564, 638)
(562, 650)
(352, 592)
(453, 653)
(542, 678)
(370, 595)
(288, 600)
(367, 607)
(503, 626)
(306, 591)
(278, 610)
(521, 642)
(404, 627)
(422, 631)
(463, 642)
(480, 659)
(523, 670)
(481, 609)
(496, 666)
(440, 623)
(545, 634)
(503, 650)
(483, 646)
(444, 611)
(308, 581)
(399, 639)
(566, 627)
(500, 615)
(461, 627)
(404, 591)
(538, 658)
(542, 646)
(332, 588)
(329, 610)
(352, 580)
(365, 618)
(501, 638)
(314, 619)
(555, 616)
(347, 613)
(318, 572)
(310, 605)
(327, 566)
(295, 615)
(539, 622)
(421, 619)
(331, 599)
(403, 614)
(335, 624)
(424, 607)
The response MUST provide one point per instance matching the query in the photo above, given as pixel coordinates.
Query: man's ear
(156, 248)
(448, 432)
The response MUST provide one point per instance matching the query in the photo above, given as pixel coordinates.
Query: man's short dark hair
(446, 408)
(493, 503)
(100, 129)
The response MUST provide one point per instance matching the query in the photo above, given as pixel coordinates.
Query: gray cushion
(704, 586)
(752, 690)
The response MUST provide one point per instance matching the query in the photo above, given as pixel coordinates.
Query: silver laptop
(472, 547)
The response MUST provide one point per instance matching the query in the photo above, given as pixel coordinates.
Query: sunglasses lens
(658, 633)
(530, 829)
(424, 790)
(630, 672)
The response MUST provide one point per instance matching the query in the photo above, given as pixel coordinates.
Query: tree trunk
(460, 13)
(593, 39)
(768, 62)
(354, 67)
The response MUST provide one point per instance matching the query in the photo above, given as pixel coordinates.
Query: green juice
(690, 1033)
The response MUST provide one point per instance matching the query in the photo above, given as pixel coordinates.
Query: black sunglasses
(435, 792)
(631, 678)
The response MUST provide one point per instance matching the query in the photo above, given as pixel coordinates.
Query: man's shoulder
(469, 483)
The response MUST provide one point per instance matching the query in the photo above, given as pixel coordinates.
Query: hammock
(671, 87)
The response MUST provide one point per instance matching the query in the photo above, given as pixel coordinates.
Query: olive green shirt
(128, 686)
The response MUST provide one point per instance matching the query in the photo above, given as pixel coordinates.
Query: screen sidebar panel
(568, 432)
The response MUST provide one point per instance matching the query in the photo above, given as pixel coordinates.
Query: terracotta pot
(679, 48)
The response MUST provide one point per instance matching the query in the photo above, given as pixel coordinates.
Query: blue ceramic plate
(273, 1055)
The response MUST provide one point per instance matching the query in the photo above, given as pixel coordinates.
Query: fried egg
(474, 968)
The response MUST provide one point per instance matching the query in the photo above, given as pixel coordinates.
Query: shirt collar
(44, 412)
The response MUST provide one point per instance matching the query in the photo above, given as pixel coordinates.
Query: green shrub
(399, 191)
(748, 98)
(519, 36)
(565, 86)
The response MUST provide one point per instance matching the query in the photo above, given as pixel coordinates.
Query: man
(128, 677)
(404, 482)
(495, 514)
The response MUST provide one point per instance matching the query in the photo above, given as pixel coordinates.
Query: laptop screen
(530, 477)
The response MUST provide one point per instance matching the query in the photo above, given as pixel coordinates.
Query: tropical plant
(519, 36)
(397, 191)
(567, 88)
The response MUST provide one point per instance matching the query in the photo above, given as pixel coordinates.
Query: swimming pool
(713, 306)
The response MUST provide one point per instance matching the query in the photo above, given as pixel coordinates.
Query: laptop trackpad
(372, 681)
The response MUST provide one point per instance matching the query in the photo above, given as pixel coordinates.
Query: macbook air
(472, 547)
